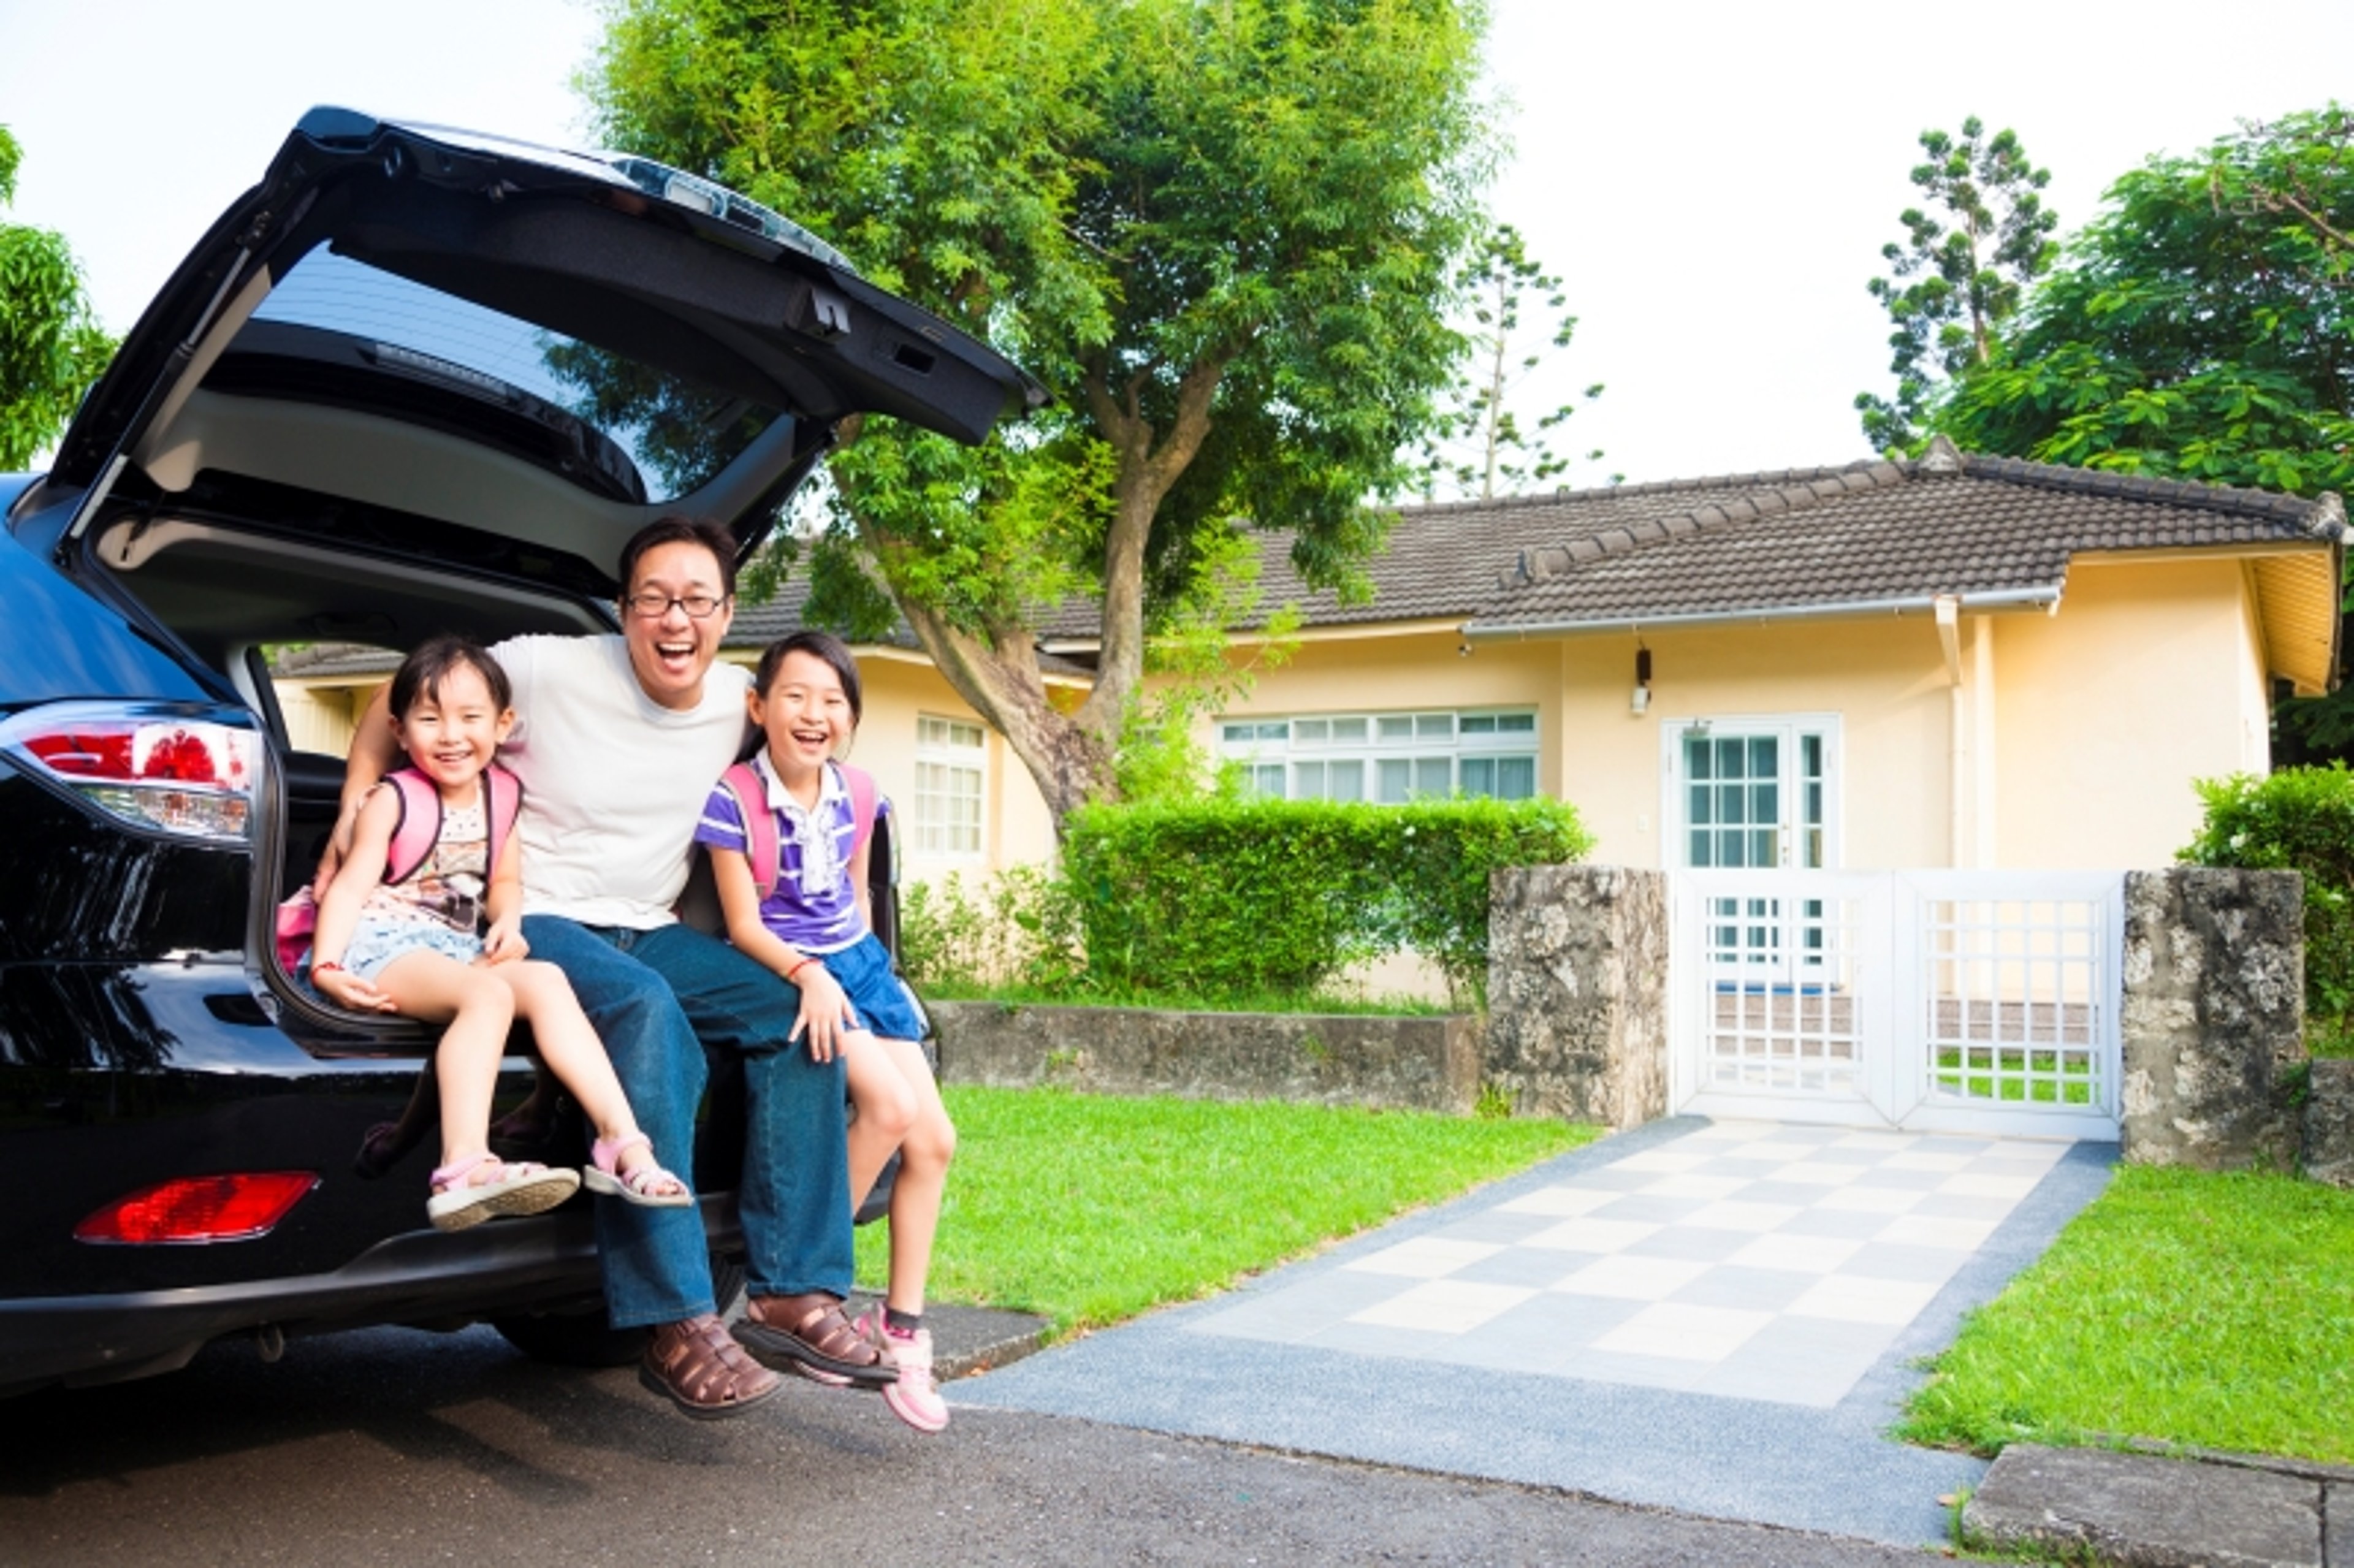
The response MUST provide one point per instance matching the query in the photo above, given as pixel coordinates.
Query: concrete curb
(2159, 1508)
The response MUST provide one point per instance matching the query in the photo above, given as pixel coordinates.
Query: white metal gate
(1948, 1000)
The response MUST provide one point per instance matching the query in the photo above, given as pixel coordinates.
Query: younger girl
(410, 939)
(813, 928)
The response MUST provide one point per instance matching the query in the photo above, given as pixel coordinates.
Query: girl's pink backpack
(413, 837)
(761, 845)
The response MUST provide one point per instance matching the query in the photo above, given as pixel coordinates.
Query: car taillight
(189, 772)
(240, 1206)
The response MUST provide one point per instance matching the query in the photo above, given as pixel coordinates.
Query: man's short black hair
(678, 528)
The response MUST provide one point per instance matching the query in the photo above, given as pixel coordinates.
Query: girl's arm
(826, 1011)
(503, 902)
(339, 907)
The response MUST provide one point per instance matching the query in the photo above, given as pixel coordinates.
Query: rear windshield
(364, 338)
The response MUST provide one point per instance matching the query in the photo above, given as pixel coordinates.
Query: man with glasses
(618, 741)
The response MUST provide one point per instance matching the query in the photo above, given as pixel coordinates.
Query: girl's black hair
(824, 645)
(421, 674)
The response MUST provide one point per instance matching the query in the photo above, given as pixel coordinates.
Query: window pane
(1764, 757)
(1349, 729)
(1346, 781)
(1478, 724)
(1479, 776)
(1397, 726)
(1516, 778)
(1280, 729)
(1700, 849)
(1395, 780)
(1516, 724)
(1307, 780)
(1433, 776)
(1267, 777)
(1310, 730)
(1235, 731)
(1701, 816)
(1698, 754)
(1728, 758)
(1434, 725)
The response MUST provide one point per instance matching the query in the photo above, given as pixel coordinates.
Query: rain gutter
(2045, 599)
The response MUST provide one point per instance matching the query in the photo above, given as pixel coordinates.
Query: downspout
(1949, 638)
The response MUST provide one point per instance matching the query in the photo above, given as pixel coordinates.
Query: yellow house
(1958, 661)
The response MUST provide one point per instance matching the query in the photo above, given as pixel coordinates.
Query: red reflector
(237, 1207)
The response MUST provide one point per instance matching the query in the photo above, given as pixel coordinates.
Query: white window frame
(1281, 752)
(942, 755)
(1674, 805)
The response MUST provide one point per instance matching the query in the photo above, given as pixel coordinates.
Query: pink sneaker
(915, 1398)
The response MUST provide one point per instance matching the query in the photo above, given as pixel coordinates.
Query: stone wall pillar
(1578, 992)
(2214, 1021)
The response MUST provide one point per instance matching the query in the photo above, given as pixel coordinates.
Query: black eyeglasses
(653, 605)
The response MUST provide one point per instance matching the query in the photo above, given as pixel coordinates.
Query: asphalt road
(403, 1448)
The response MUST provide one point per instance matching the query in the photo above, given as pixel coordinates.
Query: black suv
(417, 380)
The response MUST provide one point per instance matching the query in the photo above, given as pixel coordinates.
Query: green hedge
(2299, 819)
(1255, 896)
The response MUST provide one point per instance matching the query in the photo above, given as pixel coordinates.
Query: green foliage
(1218, 232)
(1960, 274)
(1479, 438)
(1017, 927)
(2301, 819)
(2183, 1306)
(50, 347)
(1091, 1209)
(1256, 895)
(2200, 328)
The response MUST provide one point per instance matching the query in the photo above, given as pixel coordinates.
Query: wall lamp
(1642, 700)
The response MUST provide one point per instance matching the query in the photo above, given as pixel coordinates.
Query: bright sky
(1712, 182)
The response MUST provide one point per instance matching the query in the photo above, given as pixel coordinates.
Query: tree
(1219, 231)
(2202, 328)
(50, 347)
(1478, 440)
(1960, 275)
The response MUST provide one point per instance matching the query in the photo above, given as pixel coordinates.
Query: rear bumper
(423, 1278)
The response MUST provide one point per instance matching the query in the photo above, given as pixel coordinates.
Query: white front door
(1756, 794)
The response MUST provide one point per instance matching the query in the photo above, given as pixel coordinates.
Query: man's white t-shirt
(613, 782)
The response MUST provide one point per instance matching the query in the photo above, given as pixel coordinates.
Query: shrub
(1243, 897)
(1017, 927)
(2302, 820)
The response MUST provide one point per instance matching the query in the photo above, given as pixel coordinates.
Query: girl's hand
(826, 1012)
(504, 943)
(345, 989)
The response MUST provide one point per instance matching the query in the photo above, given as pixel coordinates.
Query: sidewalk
(1719, 1319)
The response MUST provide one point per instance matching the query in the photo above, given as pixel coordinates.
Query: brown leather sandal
(809, 1334)
(704, 1372)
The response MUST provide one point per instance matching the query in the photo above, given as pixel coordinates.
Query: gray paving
(1310, 1359)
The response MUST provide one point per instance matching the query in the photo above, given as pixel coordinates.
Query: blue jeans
(659, 1000)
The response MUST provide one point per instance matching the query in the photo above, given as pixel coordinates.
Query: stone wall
(1401, 1063)
(2213, 1018)
(1578, 992)
(2329, 1122)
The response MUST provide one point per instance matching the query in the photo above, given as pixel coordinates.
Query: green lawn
(2215, 1310)
(1091, 1208)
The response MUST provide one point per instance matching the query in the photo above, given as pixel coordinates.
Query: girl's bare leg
(569, 1046)
(477, 1010)
(886, 1109)
(924, 1156)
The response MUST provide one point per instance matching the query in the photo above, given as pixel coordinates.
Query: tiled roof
(1873, 533)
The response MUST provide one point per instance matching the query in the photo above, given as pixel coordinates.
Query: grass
(1089, 1209)
(1185, 1001)
(2210, 1310)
